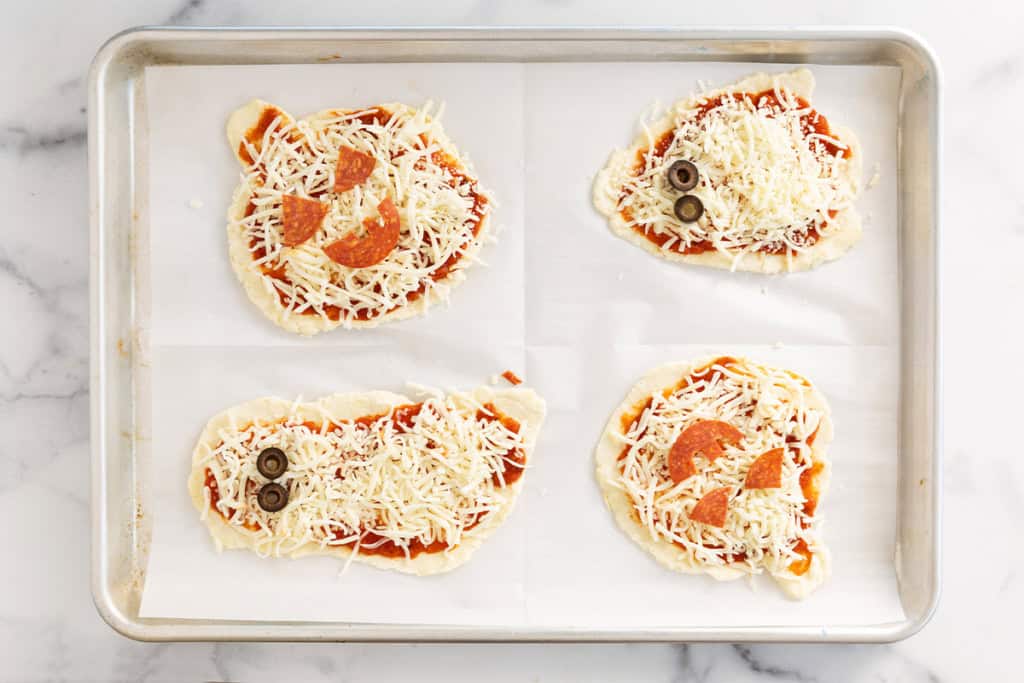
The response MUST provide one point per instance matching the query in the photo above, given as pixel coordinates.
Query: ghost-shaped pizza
(718, 467)
(414, 486)
(350, 217)
(749, 177)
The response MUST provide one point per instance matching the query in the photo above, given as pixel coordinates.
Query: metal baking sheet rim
(113, 98)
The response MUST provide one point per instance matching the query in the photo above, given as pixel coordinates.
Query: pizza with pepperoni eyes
(718, 467)
(350, 218)
(748, 177)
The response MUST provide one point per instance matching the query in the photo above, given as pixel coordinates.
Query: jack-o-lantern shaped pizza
(718, 467)
(350, 217)
(748, 177)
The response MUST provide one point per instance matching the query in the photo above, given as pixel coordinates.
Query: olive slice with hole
(683, 175)
(688, 208)
(272, 462)
(272, 497)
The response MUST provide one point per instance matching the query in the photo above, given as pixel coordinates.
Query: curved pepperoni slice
(712, 508)
(766, 471)
(380, 238)
(301, 217)
(704, 437)
(353, 168)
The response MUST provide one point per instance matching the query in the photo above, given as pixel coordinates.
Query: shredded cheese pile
(764, 181)
(437, 207)
(762, 526)
(365, 485)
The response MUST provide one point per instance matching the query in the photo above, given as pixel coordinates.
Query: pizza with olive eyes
(718, 467)
(749, 177)
(414, 486)
(350, 217)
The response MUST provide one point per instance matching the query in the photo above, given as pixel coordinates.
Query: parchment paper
(579, 313)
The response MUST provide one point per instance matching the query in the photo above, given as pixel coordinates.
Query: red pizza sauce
(458, 178)
(402, 418)
(254, 136)
(811, 122)
(705, 374)
(800, 567)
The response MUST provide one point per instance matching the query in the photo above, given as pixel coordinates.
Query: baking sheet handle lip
(101, 598)
(909, 38)
(180, 631)
(930, 67)
(104, 602)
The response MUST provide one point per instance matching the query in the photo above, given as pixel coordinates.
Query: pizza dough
(777, 181)
(764, 527)
(403, 215)
(350, 483)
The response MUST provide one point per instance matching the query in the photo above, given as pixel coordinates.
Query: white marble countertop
(49, 629)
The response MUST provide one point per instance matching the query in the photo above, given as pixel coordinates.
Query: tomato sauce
(729, 558)
(210, 483)
(254, 136)
(385, 547)
(809, 487)
(402, 417)
(332, 312)
(811, 122)
(705, 374)
(800, 567)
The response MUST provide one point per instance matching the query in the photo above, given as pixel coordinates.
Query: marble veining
(49, 630)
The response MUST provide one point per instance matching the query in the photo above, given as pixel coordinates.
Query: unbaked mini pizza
(748, 177)
(414, 486)
(718, 467)
(350, 217)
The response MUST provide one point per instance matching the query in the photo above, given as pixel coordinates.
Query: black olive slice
(689, 208)
(272, 497)
(683, 175)
(272, 462)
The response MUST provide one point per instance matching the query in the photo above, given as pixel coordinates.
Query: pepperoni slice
(712, 508)
(380, 238)
(353, 168)
(702, 437)
(766, 471)
(301, 218)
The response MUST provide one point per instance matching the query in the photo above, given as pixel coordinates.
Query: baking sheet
(579, 313)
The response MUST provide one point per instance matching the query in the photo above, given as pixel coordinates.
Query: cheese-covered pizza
(350, 217)
(718, 467)
(748, 177)
(414, 486)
